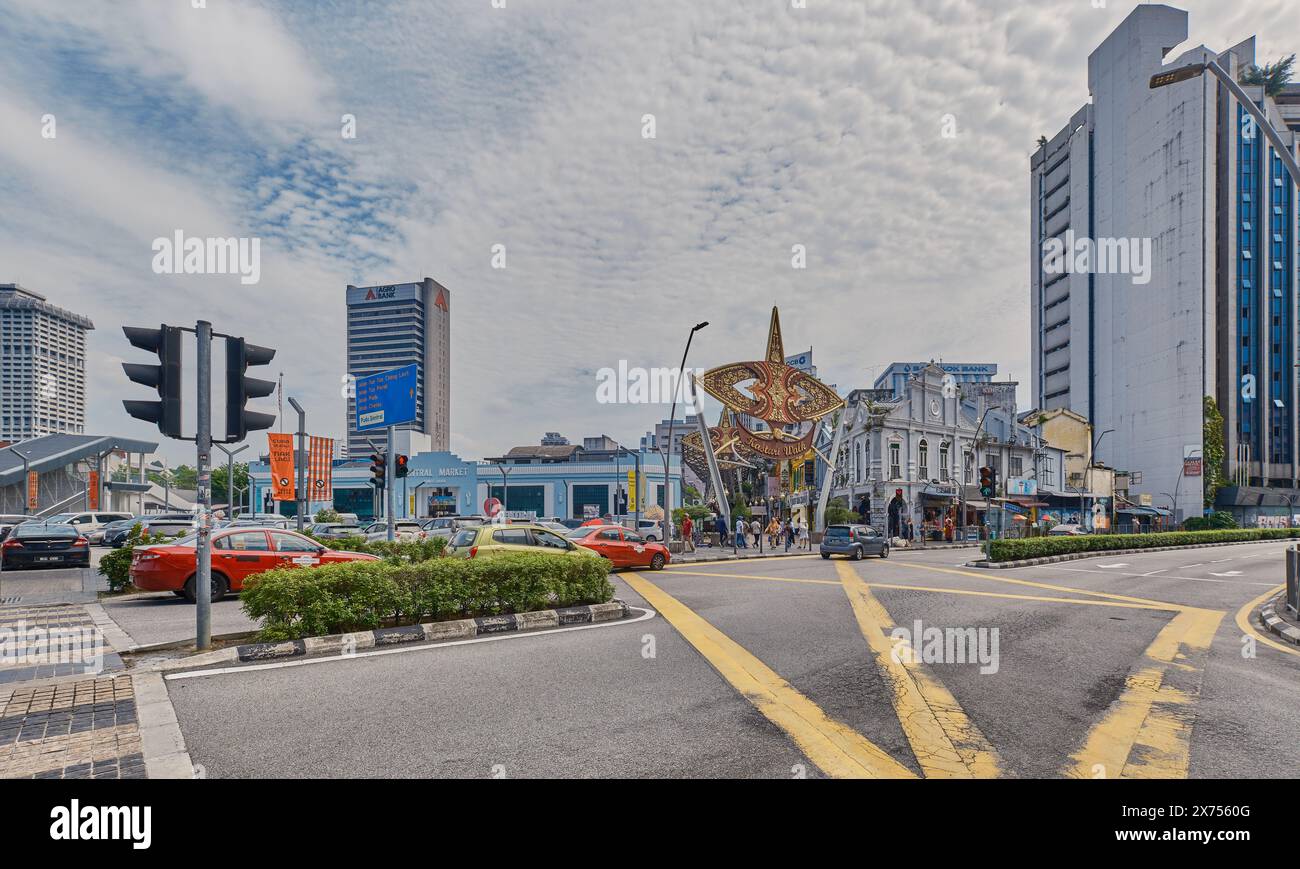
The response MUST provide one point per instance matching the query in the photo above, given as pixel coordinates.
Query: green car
(488, 540)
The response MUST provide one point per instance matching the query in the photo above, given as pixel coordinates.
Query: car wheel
(826, 555)
(857, 554)
(179, 593)
(657, 562)
(220, 587)
(884, 552)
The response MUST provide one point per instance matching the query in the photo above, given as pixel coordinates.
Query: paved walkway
(74, 729)
(707, 553)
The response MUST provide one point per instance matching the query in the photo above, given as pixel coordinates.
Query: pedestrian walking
(721, 526)
(740, 534)
(688, 530)
(756, 528)
(789, 534)
(801, 531)
(773, 533)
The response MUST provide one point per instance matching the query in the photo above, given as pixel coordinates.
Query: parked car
(86, 522)
(622, 547)
(44, 544)
(651, 529)
(158, 524)
(1067, 529)
(334, 530)
(237, 553)
(101, 537)
(8, 521)
(446, 526)
(855, 541)
(405, 530)
(486, 540)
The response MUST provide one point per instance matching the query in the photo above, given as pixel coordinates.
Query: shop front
(438, 484)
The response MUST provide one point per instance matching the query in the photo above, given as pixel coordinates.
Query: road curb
(459, 629)
(1105, 553)
(1278, 626)
(161, 741)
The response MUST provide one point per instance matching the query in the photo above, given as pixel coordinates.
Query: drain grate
(7, 600)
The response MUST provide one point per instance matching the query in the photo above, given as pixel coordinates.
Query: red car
(237, 553)
(622, 547)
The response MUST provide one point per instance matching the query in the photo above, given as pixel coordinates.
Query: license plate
(49, 558)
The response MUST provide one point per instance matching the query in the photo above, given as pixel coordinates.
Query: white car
(88, 523)
(1067, 530)
(404, 530)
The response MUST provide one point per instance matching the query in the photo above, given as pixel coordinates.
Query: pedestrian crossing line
(947, 744)
(758, 576)
(837, 749)
(1146, 732)
(737, 562)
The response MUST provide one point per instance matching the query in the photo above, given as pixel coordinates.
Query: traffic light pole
(203, 441)
(390, 484)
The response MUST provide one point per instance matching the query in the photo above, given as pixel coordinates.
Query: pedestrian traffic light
(377, 470)
(239, 389)
(164, 377)
(400, 469)
(988, 482)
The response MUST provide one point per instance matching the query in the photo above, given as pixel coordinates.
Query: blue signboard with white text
(386, 398)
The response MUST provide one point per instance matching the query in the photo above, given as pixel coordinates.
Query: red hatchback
(237, 553)
(623, 548)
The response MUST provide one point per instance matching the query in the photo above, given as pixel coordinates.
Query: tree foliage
(1273, 76)
(1213, 450)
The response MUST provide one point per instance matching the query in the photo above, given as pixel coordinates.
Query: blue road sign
(386, 398)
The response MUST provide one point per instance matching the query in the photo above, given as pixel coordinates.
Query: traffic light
(239, 389)
(988, 482)
(165, 377)
(399, 466)
(377, 470)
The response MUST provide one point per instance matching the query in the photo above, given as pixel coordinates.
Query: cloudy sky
(523, 126)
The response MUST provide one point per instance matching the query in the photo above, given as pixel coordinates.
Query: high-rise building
(42, 366)
(395, 325)
(1163, 265)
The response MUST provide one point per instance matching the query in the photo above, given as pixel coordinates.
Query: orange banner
(33, 490)
(320, 465)
(280, 446)
(92, 491)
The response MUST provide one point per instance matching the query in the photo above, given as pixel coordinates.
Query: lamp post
(1179, 482)
(165, 474)
(961, 487)
(303, 497)
(681, 378)
(505, 486)
(1195, 70)
(1092, 463)
(230, 477)
(27, 464)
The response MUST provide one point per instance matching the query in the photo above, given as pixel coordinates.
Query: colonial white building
(923, 441)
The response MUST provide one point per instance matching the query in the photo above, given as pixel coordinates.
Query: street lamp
(1092, 463)
(681, 378)
(166, 476)
(1179, 482)
(230, 477)
(1195, 70)
(27, 464)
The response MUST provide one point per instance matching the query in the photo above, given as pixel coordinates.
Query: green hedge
(397, 550)
(358, 596)
(115, 566)
(1042, 547)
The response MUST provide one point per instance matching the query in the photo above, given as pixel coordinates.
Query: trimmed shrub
(397, 550)
(363, 595)
(1043, 547)
(115, 566)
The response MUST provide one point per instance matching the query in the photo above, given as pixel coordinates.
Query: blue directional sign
(386, 398)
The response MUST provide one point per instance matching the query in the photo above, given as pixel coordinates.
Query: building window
(895, 467)
(1017, 467)
(924, 460)
(943, 462)
(968, 463)
(1048, 473)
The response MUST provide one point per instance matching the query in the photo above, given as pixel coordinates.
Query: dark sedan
(37, 544)
(855, 541)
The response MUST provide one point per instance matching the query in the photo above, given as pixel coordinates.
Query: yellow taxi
(492, 539)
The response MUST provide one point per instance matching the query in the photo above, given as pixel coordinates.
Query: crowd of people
(746, 534)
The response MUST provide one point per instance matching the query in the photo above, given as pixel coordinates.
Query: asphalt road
(1127, 666)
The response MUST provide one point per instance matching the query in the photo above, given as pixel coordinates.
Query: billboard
(386, 398)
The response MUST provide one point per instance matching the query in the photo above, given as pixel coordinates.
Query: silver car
(855, 541)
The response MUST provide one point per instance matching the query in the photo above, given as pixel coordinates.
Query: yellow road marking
(1146, 732)
(947, 744)
(1243, 622)
(1155, 605)
(835, 748)
(1050, 587)
(737, 561)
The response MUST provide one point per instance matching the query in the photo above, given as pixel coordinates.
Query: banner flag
(280, 446)
(320, 469)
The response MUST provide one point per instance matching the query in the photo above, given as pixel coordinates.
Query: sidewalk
(706, 553)
(77, 729)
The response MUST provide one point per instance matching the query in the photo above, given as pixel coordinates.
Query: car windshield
(579, 533)
(464, 538)
(837, 531)
(58, 518)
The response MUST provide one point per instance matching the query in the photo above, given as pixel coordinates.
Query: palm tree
(1273, 76)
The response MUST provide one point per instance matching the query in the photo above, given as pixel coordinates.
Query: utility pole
(390, 483)
(203, 441)
(302, 498)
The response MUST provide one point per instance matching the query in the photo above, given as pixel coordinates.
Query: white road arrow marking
(1229, 573)
(1109, 566)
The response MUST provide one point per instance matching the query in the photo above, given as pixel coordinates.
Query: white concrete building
(42, 366)
(1168, 219)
